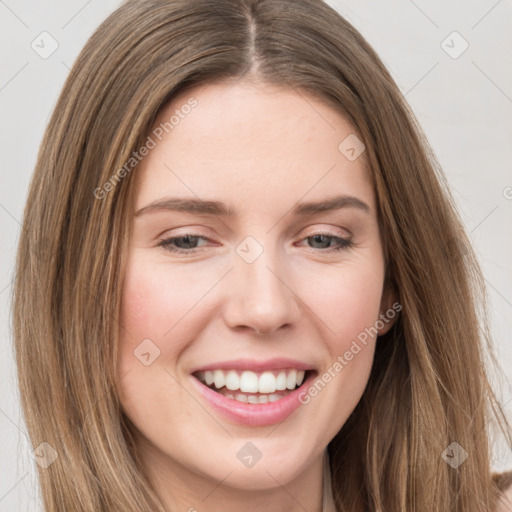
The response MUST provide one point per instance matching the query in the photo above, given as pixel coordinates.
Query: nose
(261, 296)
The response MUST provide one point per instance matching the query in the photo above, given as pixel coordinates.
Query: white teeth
(255, 399)
(281, 381)
(208, 377)
(249, 382)
(291, 380)
(232, 380)
(219, 379)
(267, 382)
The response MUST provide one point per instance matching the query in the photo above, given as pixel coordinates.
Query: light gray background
(464, 105)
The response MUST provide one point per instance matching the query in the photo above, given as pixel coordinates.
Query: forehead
(253, 144)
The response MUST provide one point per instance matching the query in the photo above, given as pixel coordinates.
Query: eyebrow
(218, 208)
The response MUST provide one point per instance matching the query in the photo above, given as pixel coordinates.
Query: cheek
(349, 308)
(347, 301)
(153, 305)
(161, 314)
(147, 350)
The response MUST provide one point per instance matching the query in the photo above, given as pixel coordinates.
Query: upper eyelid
(196, 231)
(191, 233)
(341, 244)
(206, 237)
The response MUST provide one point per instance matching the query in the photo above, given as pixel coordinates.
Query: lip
(279, 363)
(253, 415)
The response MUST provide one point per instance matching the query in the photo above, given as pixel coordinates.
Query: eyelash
(342, 243)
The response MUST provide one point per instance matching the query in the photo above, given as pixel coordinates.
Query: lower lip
(254, 415)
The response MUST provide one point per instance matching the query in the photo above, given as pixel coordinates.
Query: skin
(259, 149)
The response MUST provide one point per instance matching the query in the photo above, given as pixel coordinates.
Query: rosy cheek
(151, 308)
(137, 312)
(347, 304)
(135, 307)
(143, 297)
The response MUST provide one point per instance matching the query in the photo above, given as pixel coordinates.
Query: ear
(389, 309)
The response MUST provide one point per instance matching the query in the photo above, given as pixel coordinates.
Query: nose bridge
(262, 298)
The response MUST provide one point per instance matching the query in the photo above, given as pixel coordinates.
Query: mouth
(254, 387)
(253, 393)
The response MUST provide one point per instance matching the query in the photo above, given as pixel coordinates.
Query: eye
(329, 241)
(188, 243)
(182, 244)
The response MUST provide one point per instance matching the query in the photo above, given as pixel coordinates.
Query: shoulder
(504, 483)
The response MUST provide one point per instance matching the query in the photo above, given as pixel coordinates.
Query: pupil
(318, 238)
(188, 240)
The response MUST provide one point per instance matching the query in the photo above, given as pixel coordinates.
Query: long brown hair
(428, 387)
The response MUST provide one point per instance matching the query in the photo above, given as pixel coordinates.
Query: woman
(242, 280)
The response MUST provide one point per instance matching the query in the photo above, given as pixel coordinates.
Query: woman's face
(254, 259)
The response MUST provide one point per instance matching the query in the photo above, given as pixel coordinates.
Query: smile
(252, 387)
(253, 393)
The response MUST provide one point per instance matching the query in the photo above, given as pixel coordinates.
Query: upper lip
(279, 363)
